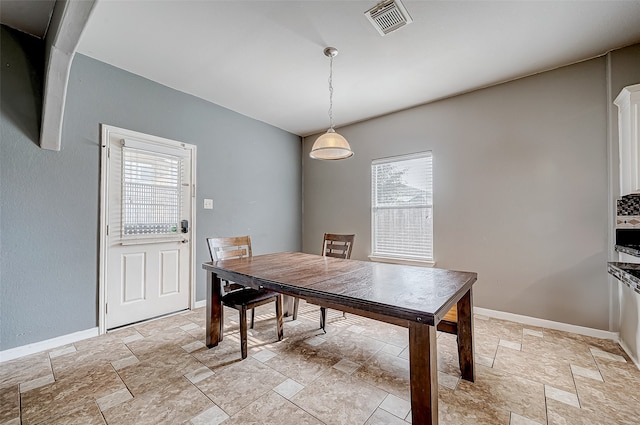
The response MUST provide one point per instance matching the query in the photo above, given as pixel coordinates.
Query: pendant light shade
(331, 145)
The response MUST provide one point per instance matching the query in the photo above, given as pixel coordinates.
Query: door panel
(170, 272)
(147, 256)
(133, 277)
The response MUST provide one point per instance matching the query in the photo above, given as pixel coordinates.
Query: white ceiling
(264, 59)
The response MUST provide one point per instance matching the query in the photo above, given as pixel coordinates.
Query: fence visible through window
(402, 207)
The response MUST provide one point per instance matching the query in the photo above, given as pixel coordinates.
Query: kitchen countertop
(629, 249)
(627, 273)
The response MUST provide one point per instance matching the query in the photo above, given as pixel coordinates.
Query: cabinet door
(628, 102)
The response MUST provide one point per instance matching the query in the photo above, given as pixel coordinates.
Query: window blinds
(151, 195)
(402, 206)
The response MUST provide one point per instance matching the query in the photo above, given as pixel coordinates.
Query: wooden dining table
(414, 297)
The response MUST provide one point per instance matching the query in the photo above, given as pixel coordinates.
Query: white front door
(148, 189)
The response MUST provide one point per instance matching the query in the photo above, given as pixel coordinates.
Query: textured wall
(520, 190)
(50, 200)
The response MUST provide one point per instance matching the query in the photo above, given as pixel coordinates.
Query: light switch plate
(208, 204)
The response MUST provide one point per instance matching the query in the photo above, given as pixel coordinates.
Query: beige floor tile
(347, 366)
(157, 341)
(89, 356)
(212, 416)
(9, 403)
(602, 344)
(586, 372)
(562, 396)
(447, 354)
(199, 374)
(385, 332)
(615, 372)
(621, 403)
(272, 409)
(61, 351)
(559, 346)
(24, 369)
(456, 408)
(113, 399)
(157, 369)
(37, 383)
(303, 363)
(289, 388)
(559, 413)
(387, 372)
(547, 369)
(382, 417)
(509, 392)
(173, 404)
(162, 325)
(396, 406)
(502, 329)
(337, 398)
(486, 345)
(87, 414)
(353, 346)
(448, 381)
(521, 420)
(84, 385)
(240, 384)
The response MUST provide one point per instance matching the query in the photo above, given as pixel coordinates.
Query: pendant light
(331, 145)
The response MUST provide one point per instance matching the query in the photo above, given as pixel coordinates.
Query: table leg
(465, 337)
(214, 310)
(423, 368)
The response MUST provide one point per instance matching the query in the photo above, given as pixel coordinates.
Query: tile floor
(160, 372)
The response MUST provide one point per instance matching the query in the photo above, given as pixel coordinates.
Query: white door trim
(105, 130)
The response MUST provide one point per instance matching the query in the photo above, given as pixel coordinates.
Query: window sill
(404, 261)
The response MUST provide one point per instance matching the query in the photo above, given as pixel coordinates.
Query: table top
(411, 293)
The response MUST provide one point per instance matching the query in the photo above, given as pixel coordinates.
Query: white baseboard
(199, 304)
(36, 347)
(550, 324)
(629, 353)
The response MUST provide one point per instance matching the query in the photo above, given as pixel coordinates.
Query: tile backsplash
(628, 212)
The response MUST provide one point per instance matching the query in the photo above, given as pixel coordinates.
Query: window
(151, 196)
(402, 208)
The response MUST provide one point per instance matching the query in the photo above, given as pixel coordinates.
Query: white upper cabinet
(628, 103)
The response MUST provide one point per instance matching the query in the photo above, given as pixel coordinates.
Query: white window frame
(391, 257)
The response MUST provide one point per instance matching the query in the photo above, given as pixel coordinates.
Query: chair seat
(248, 296)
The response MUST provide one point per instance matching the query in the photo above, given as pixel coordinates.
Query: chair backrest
(338, 246)
(232, 247)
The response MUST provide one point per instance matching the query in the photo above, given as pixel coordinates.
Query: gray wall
(520, 190)
(50, 200)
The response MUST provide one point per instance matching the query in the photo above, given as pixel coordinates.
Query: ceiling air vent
(388, 16)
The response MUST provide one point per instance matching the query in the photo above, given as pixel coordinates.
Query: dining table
(415, 297)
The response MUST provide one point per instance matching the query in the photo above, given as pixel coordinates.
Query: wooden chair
(333, 245)
(240, 297)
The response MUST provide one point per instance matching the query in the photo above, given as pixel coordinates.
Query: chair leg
(221, 323)
(323, 318)
(296, 303)
(279, 320)
(253, 317)
(243, 332)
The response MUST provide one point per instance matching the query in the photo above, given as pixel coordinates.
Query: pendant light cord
(331, 92)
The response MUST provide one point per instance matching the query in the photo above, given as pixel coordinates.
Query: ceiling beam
(67, 23)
